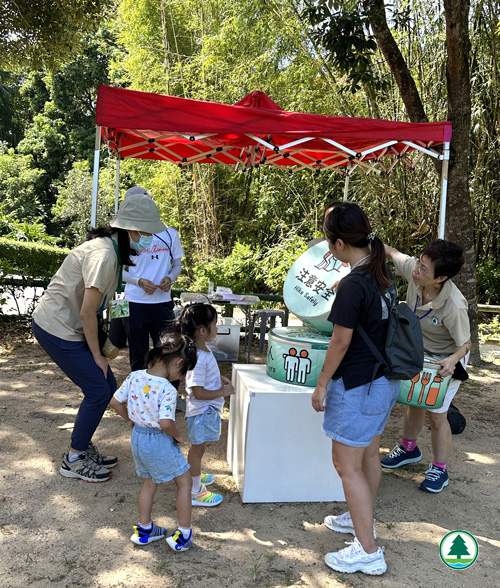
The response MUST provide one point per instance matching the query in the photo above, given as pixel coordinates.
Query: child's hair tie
(370, 237)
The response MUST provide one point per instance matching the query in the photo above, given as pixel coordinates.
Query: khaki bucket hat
(138, 213)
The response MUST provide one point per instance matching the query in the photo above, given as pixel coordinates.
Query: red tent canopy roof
(254, 131)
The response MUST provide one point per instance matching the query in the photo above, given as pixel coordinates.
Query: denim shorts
(205, 427)
(156, 455)
(354, 417)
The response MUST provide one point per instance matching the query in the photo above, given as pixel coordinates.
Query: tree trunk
(459, 220)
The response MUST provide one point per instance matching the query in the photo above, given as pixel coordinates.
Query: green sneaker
(207, 479)
(205, 498)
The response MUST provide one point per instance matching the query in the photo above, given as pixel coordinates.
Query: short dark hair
(447, 257)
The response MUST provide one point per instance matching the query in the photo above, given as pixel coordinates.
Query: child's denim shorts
(354, 417)
(205, 427)
(156, 455)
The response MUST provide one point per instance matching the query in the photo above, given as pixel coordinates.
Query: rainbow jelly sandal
(207, 479)
(205, 498)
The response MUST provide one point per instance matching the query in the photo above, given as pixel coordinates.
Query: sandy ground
(58, 532)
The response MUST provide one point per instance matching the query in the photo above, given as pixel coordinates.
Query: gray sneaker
(106, 461)
(343, 524)
(354, 559)
(84, 468)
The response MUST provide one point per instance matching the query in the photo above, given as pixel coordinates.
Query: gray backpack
(404, 348)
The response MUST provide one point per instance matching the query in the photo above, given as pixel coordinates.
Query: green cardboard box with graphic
(295, 355)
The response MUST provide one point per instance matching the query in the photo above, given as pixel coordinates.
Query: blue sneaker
(144, 536)
(435, 479)
(178, 542)
(400, 457)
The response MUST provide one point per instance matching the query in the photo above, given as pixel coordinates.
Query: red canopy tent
(256, 131)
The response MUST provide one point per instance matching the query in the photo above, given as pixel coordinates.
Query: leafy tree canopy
(44, 33)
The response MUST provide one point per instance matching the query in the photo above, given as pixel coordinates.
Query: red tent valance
(255, 131)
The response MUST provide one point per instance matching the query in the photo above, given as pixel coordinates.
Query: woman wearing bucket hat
(148, 290)
(66, 325)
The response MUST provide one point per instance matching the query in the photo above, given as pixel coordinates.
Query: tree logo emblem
(458, 550)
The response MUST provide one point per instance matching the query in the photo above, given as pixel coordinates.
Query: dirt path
(58, 532)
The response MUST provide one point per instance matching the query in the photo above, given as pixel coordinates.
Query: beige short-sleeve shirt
(445, 325)
(93, 264)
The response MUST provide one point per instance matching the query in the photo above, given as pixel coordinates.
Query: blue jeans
(145, 320)
(76, 361)
(354, 417)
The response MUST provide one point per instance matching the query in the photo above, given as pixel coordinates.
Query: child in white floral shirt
(147, 400)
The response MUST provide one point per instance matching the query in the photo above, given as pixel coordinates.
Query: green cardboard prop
(309, 286)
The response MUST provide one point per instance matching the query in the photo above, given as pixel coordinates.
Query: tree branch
(375, 11)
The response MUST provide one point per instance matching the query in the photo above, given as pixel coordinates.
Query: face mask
(143, 243)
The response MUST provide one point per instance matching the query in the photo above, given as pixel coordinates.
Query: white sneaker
(343, 524)
(354, 559)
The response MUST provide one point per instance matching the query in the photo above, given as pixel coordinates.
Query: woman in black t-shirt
(357, 402)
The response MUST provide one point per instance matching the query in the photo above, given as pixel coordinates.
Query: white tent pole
(117, 185)
(444, 188)
(346, 184)
(95, 183)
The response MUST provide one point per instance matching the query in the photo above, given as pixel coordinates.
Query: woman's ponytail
(350, 224)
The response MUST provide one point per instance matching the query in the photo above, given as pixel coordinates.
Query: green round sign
(458, 550)
(309, 288)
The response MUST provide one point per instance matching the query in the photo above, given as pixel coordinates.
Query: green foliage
(19, 180)
(277, 260)
(248, 268)
(73, 90)
(490, 330)
(46, 142)
(238, 271)
(488, 282)
(342, 28)
(35, 260)
(11, 123)
(73, 204)
(45, 33)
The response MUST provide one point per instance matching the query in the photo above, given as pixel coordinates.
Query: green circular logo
(458, 550)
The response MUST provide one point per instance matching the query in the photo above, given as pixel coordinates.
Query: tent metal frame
(262, 152)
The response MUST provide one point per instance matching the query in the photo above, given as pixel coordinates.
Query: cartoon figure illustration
(304, 367)
(327, 260)
(291, 364)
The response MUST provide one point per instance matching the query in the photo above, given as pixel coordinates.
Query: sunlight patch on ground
(108, 533)
(66, 426)
(493, 542)
(480, 458)
(126, 576)
(66, 501)
(411, 531)
(252, 535)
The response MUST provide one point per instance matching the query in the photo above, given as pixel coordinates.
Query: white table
(276, 448)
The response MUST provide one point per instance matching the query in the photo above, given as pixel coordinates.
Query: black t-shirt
(358, 300)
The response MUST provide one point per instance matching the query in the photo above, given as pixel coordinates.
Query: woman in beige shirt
(65, 324)
(442, 311)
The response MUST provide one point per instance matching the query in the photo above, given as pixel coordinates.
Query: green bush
(248, 269)
(239, 271)
(488, 282)
(277, 260)
(35, 260)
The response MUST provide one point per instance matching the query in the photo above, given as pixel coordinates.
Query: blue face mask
(143, 243)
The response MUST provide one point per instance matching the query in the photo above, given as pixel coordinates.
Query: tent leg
(95, 182)
(117, 185)
(444, 189)
(346, 185)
